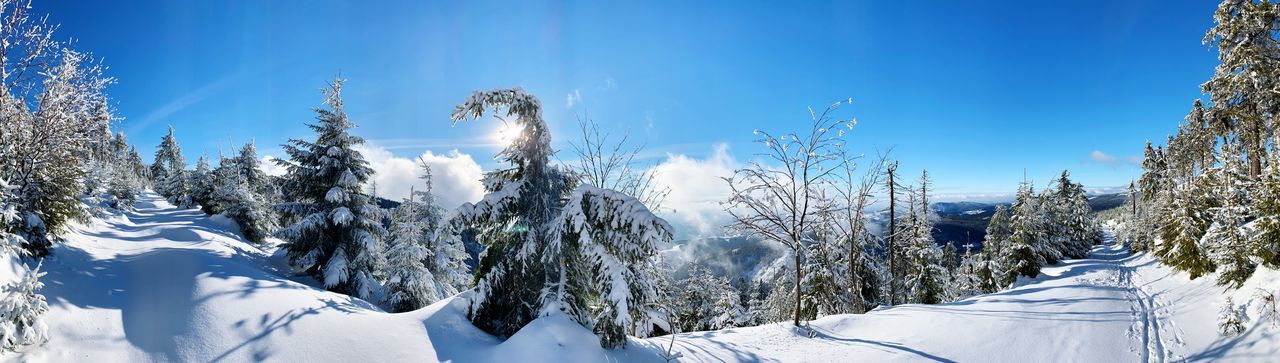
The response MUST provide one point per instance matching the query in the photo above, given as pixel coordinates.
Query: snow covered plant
(21, 312)
(237, 188)
(1267, 310)
(783, 202)
(552, 245)
(1231, 319)
(423, 265)
(336, 234)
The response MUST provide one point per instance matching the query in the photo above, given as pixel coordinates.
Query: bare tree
(614, 165)
(782, 202)
(855, 193)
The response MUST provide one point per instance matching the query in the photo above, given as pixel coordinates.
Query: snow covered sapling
(553, 246)
(237, 193)
(337, 234)
(202, 185)
(1231, 319)
(21, 312)
(925, 276)
(174, 183)
(423, 265)
(1268, 311)
(783, 203)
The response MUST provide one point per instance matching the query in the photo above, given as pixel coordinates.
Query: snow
(167, 284)
(1110, 307)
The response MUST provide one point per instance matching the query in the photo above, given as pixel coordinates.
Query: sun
(507, 133)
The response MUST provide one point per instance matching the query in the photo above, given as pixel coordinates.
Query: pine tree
(21, 312)
(1180, 236)
(236, 195)
(172, 181)
(337, 234)
(202, 185)
(1264, 241)
(554, 246)
(423, 264)
(925, 276)
(1025, 253)
(1225, 240)
(993, 275)
(707, 302)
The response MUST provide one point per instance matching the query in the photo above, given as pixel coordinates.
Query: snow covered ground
(164, 284)
(1110, 307)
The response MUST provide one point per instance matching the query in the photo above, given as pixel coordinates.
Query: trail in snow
(1113, 306)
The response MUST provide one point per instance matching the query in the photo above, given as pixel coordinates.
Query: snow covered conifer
(553, 247)
(423, 264)
(337, 234)
(707, 302)
(235, 195)
(202, 186)
(1026, 250)
(1226, 241)
(1264, 241)
(925, 275)
(175, 184)
(1231, 319)
(1180, 236)
(21, 312)
(993, 276)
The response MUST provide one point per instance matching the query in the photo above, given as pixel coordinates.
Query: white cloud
(269, 166)
(454, 175)
(572, 98)
(1102, 158)
(693, 205)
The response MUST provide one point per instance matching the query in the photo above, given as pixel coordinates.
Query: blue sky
(976, 92)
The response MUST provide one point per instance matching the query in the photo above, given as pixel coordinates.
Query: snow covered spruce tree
(925, 279)
(22, 312)
(784, 203)
(1180, 236)
(21, 307)
(1227, 240)
(202, 185)
(423, 263)
(705, 301)
(237, 192)
(554, 246)
(337, 235)
(1025, 253)
(174, 183)
(1069, 221)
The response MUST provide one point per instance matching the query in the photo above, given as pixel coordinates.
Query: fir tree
(202, 185)
(236, 195)
(1025, 253)
(553, 246)
(925, 276)
(21, 312)
(337, 235)
(1180, 236)
(423, 264)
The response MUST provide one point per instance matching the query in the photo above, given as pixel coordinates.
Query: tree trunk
(798, 276)
(893, 278)
(856, 294)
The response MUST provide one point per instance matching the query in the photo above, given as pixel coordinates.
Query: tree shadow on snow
(888, 347)
(155, 292)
